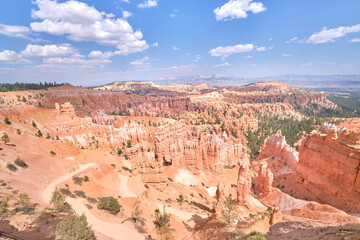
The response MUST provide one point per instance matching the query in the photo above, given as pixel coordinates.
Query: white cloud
(270, 39)
(355, 40)
(197, 58)
(292, 40)
(249, 56)
(75, 60)
(9, 56)
(307, 64)
(155, 44)
(81, 22)
(15, 31)
(329, 35)
(225, 64)
(126, 14)
(175, 48)
(48, 50)
(237, 9)
(148, 4)
(173, 15)
(12, 57)
(224, 52)
(141, 62)
(286, 55)
(101, 55)
(261, 49)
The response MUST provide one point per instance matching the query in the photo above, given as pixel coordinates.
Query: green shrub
(110, 204)
(3, 206)
(86, 179)
(7, 121)
(65, 192)
(91, 200)
(11, 167)
(18, 131)
(80, 194)
(78, 180)
(5, 138)
(162, 220)
(20, 163)
(255, 236)
(73, 228)
(127, 169)
(58, 200)
(34, 124)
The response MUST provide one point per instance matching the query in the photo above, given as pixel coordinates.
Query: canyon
(181, 149)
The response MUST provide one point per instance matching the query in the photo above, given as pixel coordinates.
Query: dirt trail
(47, 193)
(124, 188)
(113, 230)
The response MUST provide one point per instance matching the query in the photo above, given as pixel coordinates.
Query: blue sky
(89, 42)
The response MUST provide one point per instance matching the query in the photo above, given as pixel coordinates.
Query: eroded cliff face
(197, 148)
(329, 167)
(276, 146)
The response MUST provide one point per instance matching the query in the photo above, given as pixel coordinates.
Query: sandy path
(47, 193)
(113, 230)
(183, 215)
(124, 188)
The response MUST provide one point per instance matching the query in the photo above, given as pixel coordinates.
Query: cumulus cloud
(156, 44)
(225, 64)
(175, 48)
(15, 31)
(75, 60)
(292, 40)
(286, 55)
(329, 35)
(355, 40)
(234, 9)
(261, 49)
(9, 56)
(48, 50)
(148, 4)
(141, 62)
(81, 22)
(224, 52)
(126, 14)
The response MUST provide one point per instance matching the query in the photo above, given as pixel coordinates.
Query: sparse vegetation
(11, 167)
(255, 236)
(5, 138)
(52, 153)
(34, 124)
(127, 169)
(86, 179)
(21, 163)
(162, 220)
(137, 219)
(229, 213)
(39, 133)
(18, 131)
(73, 228)
(180, 199)
(110, 204)
(58, 200)
(7, 121)
(78, 180)
(80, 194)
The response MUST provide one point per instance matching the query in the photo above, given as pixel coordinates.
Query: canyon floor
(260, 161)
